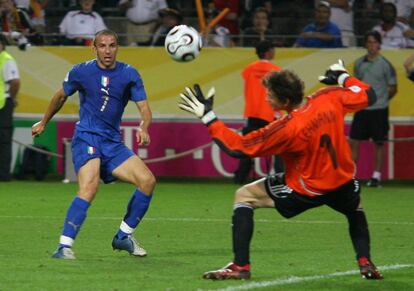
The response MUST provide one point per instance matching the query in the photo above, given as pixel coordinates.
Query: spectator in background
(38, 14)
(343, 16)
(372, 122)
(10, 85)
(35, 9)
(257, 110)
(259, 31)
(408, 66)
(168, 19)
(405, 10)
(322, 33)
(218, 36)
(394, 33)
(249, 7)
(16, 24)
(80, 26)
(142, 19)
(231, 20)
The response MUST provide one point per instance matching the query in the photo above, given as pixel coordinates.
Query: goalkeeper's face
(106, 48)
(276, 102)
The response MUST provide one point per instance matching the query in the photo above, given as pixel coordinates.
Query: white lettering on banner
(216, 159)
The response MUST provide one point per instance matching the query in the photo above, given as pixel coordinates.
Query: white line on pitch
(296, 279)
(194, 219)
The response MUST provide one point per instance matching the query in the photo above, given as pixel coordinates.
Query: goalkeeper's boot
(368, 269)
(230, 271)
(129, 244)
(64, 253)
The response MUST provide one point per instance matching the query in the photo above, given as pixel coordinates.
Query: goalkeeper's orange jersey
(310, 139)
(255, 93)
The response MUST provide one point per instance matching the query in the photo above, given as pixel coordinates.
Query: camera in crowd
(15, 37)
(20, 39)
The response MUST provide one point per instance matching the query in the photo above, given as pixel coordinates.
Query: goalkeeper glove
(335, 75)
(193, 101)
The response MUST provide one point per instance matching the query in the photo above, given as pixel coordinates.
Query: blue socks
(137, 207)
(75, 217)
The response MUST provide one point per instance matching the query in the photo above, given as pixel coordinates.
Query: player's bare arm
(14, 88)
(408, 63)
(143, 136)
(58, 99)
(392, 90)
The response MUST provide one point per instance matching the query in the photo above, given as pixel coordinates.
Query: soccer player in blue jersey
(105, 86)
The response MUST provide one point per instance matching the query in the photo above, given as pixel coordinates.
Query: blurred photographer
(17, 26)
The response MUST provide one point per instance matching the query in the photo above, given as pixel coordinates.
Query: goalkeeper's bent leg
(358, 230)
(242, 233)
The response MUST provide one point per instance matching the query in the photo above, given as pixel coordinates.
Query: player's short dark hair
(286, 85)
(263, 47)
(374, 34)
(105, 32)
(390, 4)
(261, 9)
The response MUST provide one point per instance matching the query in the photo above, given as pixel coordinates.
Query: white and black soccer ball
(183, 43)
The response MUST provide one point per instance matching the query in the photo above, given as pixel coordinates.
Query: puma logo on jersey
(106, 91)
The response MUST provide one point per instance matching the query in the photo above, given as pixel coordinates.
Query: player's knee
(146, 183)
(88, 193)
(243, 196)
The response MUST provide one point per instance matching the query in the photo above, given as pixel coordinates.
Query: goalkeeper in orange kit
(311, 140)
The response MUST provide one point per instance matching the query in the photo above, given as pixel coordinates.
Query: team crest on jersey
(91, 150)
(104, 81)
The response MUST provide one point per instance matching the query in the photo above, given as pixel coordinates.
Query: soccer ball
(183, 43)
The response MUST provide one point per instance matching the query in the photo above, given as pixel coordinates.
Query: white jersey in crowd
(343, 18)
(22, 4)
(10, 72)
(80, 24)
(393, 38)
(143, 11)
(404, 7)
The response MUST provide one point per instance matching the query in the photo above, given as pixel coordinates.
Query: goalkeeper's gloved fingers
(211, 93)
(200, 95)
(185, 107)
(197, 92)
(327, 80)
(339, 66)
(192, 96)
(187, 100)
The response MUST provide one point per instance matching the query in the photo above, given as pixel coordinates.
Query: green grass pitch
(187, 232)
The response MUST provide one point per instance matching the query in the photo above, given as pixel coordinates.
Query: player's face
(322, 15)
(372, 45)
(105, 49)
(275, 102)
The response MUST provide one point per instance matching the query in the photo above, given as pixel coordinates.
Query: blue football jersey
(103, 94)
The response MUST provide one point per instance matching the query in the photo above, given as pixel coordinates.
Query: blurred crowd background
(287, 23)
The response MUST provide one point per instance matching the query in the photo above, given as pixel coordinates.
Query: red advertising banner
(185, 149)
